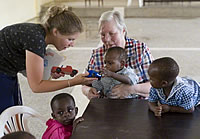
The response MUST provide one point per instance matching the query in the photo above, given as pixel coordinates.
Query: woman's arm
(142, 89)
(35, 69)
(124, 90)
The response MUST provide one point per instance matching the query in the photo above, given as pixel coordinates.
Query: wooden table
(130, 118)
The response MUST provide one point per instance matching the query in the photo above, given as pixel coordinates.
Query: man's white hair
(110, 15)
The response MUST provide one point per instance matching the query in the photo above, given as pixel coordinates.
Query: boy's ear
(122, 63)
(76, 110)
(164, 83)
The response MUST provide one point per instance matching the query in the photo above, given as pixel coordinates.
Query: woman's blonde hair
(113, 15)
(65, 21)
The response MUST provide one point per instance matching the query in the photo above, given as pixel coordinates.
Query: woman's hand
(81, 79)
(122, 91)
(93, 93)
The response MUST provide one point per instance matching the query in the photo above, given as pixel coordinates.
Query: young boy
(170, 93)
(114, 73)
(63, 112)
(19, 135)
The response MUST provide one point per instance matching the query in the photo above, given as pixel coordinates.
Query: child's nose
(66, 114)
(107, 66)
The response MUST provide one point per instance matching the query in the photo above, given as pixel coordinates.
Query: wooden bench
(100, 3)
(167, 1)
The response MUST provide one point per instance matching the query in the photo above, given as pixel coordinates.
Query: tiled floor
(177, 38)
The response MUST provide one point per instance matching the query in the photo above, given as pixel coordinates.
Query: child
(63, 113)
(170, 93)
(19, 135)
(114, 73)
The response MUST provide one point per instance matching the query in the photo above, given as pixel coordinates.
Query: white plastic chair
(15, 118)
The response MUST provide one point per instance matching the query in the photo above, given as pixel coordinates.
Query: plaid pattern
(139, 58)
(185, 93)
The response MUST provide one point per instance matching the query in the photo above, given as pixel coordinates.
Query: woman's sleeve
(147, 59)
(35, 44)
(91, 62)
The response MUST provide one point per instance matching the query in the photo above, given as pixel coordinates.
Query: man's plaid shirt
(139, 58)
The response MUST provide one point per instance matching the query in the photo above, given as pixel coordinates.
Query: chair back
(15, 118)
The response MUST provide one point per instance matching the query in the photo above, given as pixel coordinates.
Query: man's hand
(93, 93)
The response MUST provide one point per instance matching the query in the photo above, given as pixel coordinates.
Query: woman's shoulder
(133, 42)
(24, 25)
(24, 29)
(99, 49)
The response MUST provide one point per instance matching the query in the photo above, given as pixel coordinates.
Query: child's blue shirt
(185, 93)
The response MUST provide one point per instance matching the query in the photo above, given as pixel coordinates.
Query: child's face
(64, 111)
(155, 83)
(154, 78)
(113, 63)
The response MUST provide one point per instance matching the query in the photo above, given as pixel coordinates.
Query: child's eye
(70, 109)
(109, 63)
(60, 112)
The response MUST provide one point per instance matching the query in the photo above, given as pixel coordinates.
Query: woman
(113, 32)
(22, 46)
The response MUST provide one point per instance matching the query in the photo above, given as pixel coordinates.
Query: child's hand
(158, 110)
(107, 73)
(76, 122)
(165, 108)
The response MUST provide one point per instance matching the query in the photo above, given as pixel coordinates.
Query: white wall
(15, 11)
(39, 3)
